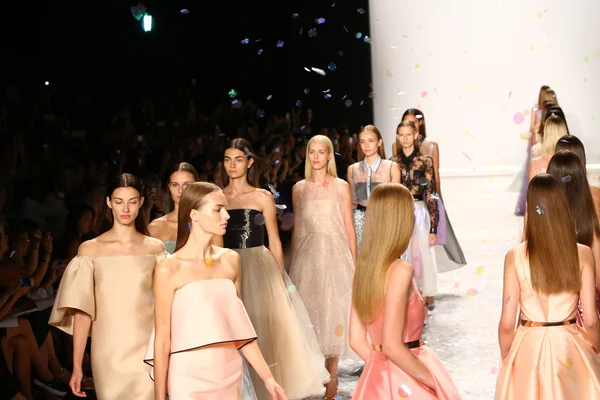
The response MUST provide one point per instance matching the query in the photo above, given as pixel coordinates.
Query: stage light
(147, 23)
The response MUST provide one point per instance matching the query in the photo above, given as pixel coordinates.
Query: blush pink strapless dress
(382, 379)
(208, 325)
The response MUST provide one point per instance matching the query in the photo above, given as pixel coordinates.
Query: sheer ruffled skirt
(420, 255)
(284, 330)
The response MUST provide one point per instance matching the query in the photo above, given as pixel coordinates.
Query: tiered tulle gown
(285, 333)
(322, 265)
(116, 292)
(548, 363)
(382, 379)
(208, 326)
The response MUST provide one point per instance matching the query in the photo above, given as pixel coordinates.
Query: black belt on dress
(361, 207)
(409, 345)
(525, 322)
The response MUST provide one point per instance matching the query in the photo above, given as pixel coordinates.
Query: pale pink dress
(381, 379)
(208, 325)
(548, 363)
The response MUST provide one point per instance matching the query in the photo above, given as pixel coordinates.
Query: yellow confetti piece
(513, 238)
(417, 65)
(392, 108)
(388, 73)
(531, 47)
(568, 363)
(524, 135)
(473, 88)
(472, 292)
(468, 133)
(586, 59)
(479, 270)
(483, 240)
(491, 179)
(596, 53)
(459, 98)
(526, 111)
(339, 330)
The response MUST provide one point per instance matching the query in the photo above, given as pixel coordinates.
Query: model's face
(125, 204)
(414, 120)
(369, 143)
(212, 216)
(318, 155)
(406, 136)
(236, 163)
(178, 181)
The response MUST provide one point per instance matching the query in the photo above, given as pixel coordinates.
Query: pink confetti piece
(494, 370)
(424, 93)
(518, 118)
(472, 292)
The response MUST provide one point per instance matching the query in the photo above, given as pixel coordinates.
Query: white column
(474, 67)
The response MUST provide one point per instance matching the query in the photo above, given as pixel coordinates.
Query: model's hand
(75, 382)
(432, 239)
(276, 391)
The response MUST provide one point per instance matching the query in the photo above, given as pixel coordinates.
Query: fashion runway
(463, 328)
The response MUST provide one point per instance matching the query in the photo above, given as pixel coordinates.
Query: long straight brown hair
(566, 167)
(192, 198)
(389, 225)
(417, 114)
(551, 242)
(380, 149)
(572, 143)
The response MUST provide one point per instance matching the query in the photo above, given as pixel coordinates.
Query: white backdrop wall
(474, 67)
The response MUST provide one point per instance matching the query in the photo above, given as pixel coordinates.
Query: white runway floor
(463, 328)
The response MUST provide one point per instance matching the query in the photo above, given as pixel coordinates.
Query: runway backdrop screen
(474, 67)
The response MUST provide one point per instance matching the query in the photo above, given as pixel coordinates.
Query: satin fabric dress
(208, 326)
(116, 292)
(382, 379)
(322, 264)
(547, 363)
(248, 388)
(285, 333)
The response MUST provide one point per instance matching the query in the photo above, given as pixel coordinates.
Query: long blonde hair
(551, 239)
(554, 129)
(380, 149)
(331, 170)
(389, 224)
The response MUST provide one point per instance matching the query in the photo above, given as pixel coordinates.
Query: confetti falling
(388, 73)
(339, 330)
(525, 135)
(472, 292)
(312, 32)
(568, 363)
(479, 270)
(291, 289)
(424, 93)
(518, 118)
(494, 370)
(456, 285)
(566, 178)
(280, 43)
(332, 66)
(259, 219)
(417, 65)
(232, 93)
(404, 391)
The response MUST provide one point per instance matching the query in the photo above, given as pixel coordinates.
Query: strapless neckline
(204, 280)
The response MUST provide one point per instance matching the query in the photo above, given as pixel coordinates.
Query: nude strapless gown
(382, 379)
(548, 363)
(116, 292)
(209, 324)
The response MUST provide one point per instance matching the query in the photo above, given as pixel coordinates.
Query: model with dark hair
(276, 310)
(103, 288)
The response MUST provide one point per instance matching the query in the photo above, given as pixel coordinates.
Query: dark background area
(76, 43)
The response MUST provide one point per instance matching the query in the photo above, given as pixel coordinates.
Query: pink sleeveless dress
(382, 379)
(208, 325)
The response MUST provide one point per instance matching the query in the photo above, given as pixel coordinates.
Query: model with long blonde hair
(372, 170)
(386, 302)
(554, 128)
(290, 348)
(324, 252)
(544, 278)
(546, 99)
